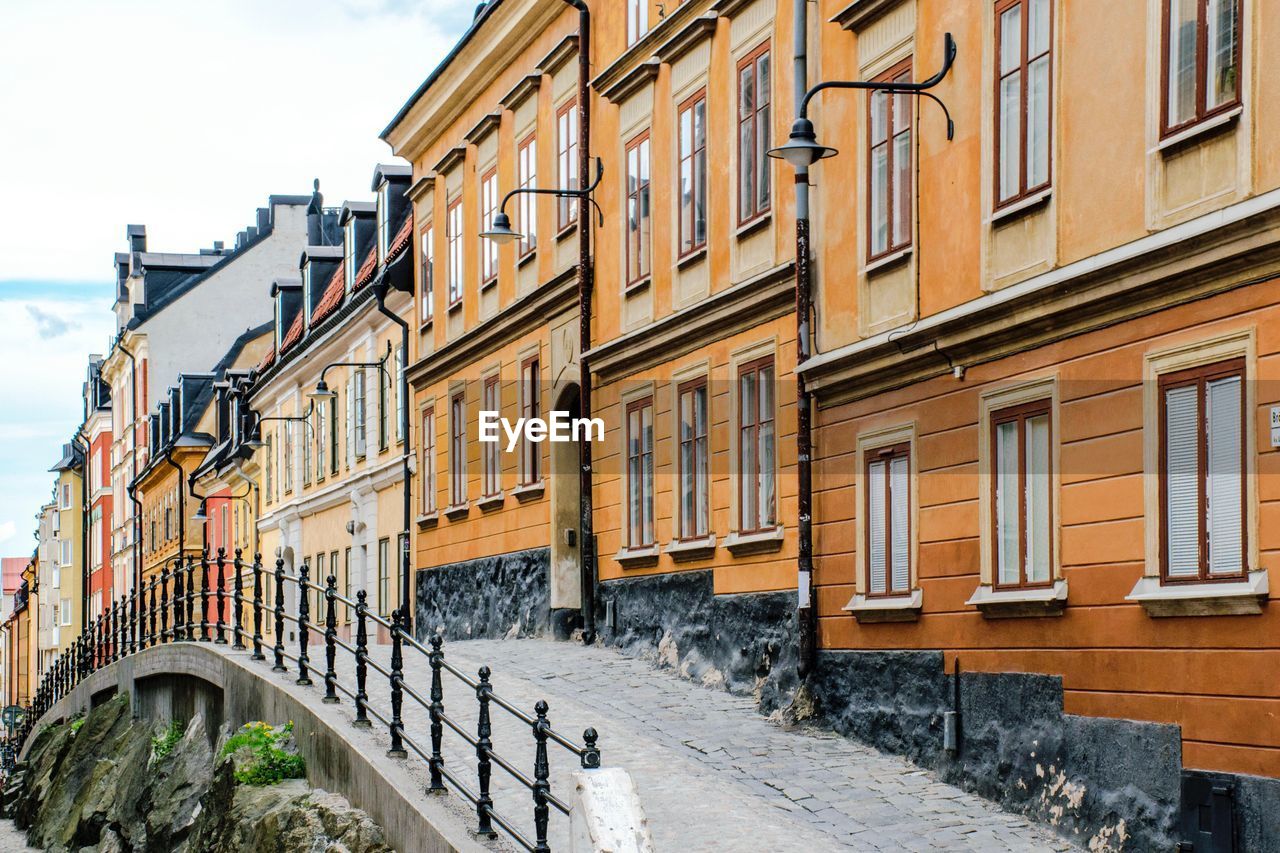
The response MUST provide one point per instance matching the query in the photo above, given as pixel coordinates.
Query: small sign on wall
(1275, 426)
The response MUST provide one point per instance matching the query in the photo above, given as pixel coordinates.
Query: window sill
(488, 503)
(751, 226)
(526, 258)
(686, 261)
(485, 285)
(426, 324)
(635, 558)
(887, 261)
(566, 231)
(457, 511)
(456, 305)
(760, 542)
(636, 286)
(1014, 603)
(1213, 598)
(428, 519)
(687, 550)
(886, 608)
(529, 491)
(1204, 128)
(1024, 205)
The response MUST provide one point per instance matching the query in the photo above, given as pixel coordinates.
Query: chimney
(137, 235)
(217, 247)
(315, 210)
(241, 239)
(264, 218)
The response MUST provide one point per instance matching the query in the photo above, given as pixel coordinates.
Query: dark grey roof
(388, 171)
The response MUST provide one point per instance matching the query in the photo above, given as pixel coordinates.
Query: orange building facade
(1040, 362)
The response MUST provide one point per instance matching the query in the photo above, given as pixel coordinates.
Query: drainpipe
(380, 291)
(806, 619)
(133, 454)
(587, 560)
(82, 440)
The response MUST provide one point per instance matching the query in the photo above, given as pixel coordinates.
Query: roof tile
(294, 334)
(333, 294)
(365, 274)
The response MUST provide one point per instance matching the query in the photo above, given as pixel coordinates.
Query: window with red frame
(694, 469)
(1022, 495)
(456, 259)
(1201, 61)
(428, 273)
(757, 448)
(530, 407)
(488, 209)
(1024, 97)
(428, 466)
(640, 472)
(639, 220)
(567, 162)
(888, 507)
(754, 96)
(692, 126)
(527, 163)
(491, 449)
(889, 167)
(457, 450)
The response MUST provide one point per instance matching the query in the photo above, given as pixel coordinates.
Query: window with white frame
(65, 553)
(384, 577)
(384, 220)
(66, 496)
(400, 401)
(428, 273)
(453, 237)
(1202, 473)
(65, 610)
(888, 527)
(637, 20)
(360, 406)
(349, 255)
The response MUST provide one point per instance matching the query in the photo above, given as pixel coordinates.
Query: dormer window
(384, 220)
(307, 301)
(279, 324)
(349, 254)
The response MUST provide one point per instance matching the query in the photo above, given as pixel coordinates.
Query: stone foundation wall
(744, 643)
(503, 596)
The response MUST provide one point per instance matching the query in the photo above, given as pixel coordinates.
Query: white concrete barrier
(606, 815)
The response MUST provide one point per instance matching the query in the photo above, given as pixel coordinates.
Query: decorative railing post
(133, 621)
(541, 777)
(151, 613)
(117, 609)
(164, 604)
(484, 743)
(362, 657)
(257, 608)
(95, 646)
(237, 605)
(188, 619)
(397, 692)
(122, 628)
(204, 595)
(221, 599)
(279, 618)
(330, 639)
(437, 712)
(591, 752)
(304, 614)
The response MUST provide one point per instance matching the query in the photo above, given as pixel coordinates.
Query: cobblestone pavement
(11, 840)
(713, 774)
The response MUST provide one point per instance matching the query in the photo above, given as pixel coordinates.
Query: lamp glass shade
(322, 391)
(200, 515)
(501, 232)
(802, 148)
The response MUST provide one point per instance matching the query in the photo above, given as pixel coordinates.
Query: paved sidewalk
(713, 774)
(11, 840)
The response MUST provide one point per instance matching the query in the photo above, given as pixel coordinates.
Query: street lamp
(802, 150)
(501, 232)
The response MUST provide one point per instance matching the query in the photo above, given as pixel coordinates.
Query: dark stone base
(564, 621)
(744, 643)
(490, 598)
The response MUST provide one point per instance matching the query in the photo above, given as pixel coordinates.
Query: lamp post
(802, 150)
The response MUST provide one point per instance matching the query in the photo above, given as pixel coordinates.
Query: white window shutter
(899, 490)
(875, 521)
(1182, 523)
(1223, 490)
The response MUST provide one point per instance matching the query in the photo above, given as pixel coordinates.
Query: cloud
(7, 531)
(47, 324)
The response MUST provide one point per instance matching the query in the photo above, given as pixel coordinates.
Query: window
(346, 581)
(1200, 60)
(567, 161)
(428, 467)
(693, 174)
(1023, 97)
(349, 254)
(888, 484)
(639, 215)
(531, 407)
(637, 20)
(1021, 452)
(64, 556)
(428, 273)
(384, 219)
(383, 414)
(65, 607)
(889, 162)
(453, 237)
(694, 477)
(361, 402)
(491, 449)
(1202, 483)
(400, 401)
(457, 450)
(168, 523)
(754, 95)
(271, 466)
(288, 456)
(349, 429)
(333, 570)
(226, 528)
(333, 435)
(66, 496)
(322, 436)
(384, 566)
(756, 446)
(640, 472)
(527, 163)
(488, 209)
(317, 614)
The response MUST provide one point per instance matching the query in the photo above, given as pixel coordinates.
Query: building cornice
(633, 81)
(646, 45)
(1229, 248)
(522, 91)
(757, 300)
(528, 312)
(858, 14)
(453, 157)
(376, 478)
(687, 38)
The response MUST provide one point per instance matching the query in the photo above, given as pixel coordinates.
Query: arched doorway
(565, 538)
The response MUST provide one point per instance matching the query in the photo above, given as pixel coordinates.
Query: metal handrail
(151, 615)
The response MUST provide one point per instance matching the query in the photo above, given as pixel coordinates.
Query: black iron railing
(164, 611)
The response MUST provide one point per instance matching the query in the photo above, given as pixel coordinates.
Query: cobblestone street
(712, 773)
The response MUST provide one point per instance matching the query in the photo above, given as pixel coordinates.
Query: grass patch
(269, 763)
(77, 723)
(162, 745)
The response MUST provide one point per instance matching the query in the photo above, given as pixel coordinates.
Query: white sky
(183, 116)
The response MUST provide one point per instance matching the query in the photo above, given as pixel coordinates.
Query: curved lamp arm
(583, 192)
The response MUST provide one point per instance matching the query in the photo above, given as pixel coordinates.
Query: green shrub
(162, 745)
(77, 723)
(269, 763)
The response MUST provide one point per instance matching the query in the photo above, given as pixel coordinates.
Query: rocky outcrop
(99, 785)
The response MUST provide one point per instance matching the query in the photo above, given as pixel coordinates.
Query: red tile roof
(12, 573)
(365, 273)
(401, 240)
(294, 334)
(333, 294)
(267, 360)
